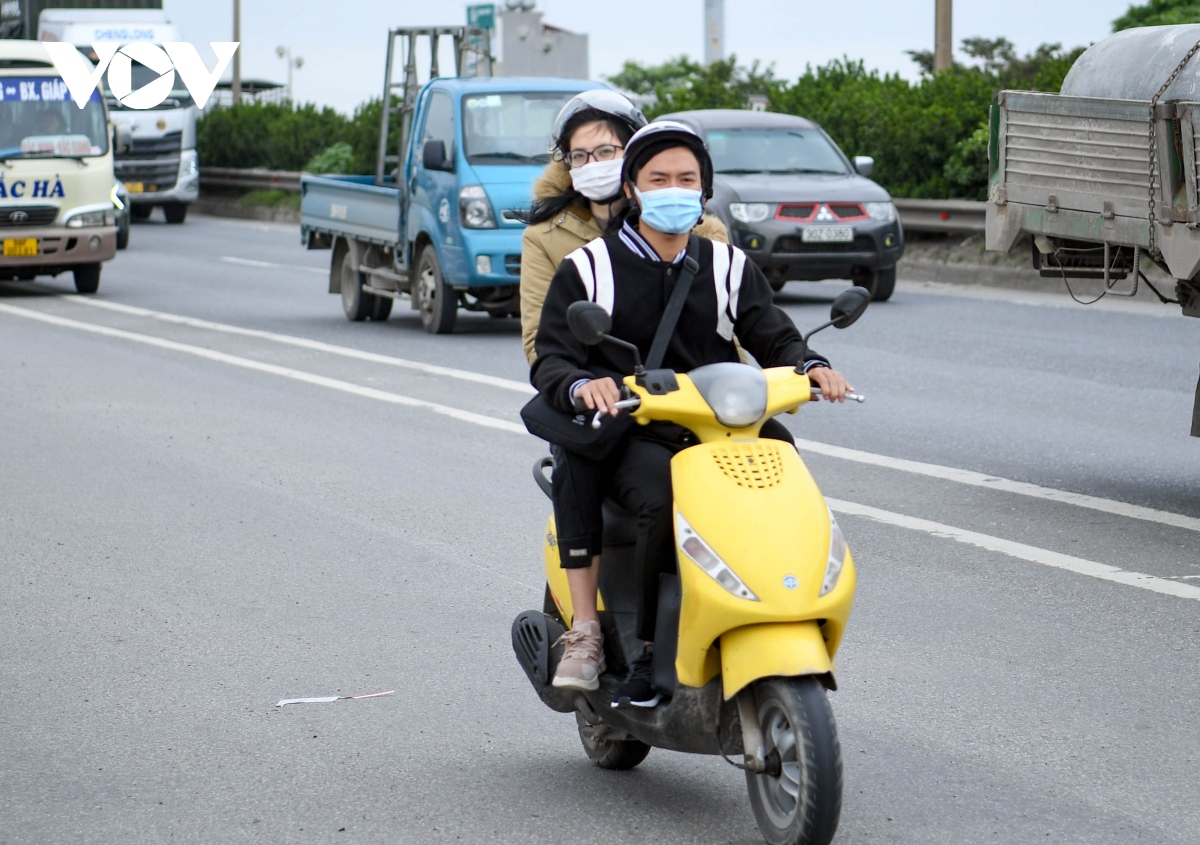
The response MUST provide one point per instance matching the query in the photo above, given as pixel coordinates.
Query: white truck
(57, 194)
(161, 169)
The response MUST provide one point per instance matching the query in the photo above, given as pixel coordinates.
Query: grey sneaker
(583, 657)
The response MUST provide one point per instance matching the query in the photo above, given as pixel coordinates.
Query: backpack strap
(670, 317)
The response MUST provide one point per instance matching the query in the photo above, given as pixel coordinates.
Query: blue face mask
(671, 211)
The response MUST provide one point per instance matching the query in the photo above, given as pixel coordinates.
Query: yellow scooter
(748, 628)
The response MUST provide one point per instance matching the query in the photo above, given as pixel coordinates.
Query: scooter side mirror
(848, 307)
(589, 322)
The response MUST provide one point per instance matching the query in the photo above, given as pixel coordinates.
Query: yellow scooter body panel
(784, 649)
(756, 505)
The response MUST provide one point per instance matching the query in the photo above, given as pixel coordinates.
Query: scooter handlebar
(851, 396)
(632, 403)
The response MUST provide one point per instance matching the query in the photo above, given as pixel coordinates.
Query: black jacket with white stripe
(729, 296)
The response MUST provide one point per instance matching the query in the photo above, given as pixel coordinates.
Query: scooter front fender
(778, 649)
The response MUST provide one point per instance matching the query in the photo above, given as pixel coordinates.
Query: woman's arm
(536, 272)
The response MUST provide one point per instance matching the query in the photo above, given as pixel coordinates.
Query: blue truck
(446, 235)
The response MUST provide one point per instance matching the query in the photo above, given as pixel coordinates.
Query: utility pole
(237, 55)
(943, 36)
(714, 31)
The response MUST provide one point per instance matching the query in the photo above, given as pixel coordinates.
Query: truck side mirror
(122, 139)
(865, 165)
(433, 155)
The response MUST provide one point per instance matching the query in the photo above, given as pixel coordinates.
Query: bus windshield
(38, 119)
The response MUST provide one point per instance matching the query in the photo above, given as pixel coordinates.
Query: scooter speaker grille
(754, 465)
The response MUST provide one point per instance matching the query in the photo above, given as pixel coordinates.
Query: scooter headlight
(837, 556)
(701, 554)
(737, 393)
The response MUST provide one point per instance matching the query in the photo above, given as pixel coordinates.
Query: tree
(682, 84)
(1159, 13)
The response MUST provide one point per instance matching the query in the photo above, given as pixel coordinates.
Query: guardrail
(959, 217)
(253, 178)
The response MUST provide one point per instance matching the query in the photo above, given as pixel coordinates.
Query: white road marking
(285, 372)
(251, 262)
(960, 476)
(1033, 554)
(1005, 485)
(315, 345)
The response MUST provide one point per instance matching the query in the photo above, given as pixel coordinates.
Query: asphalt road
(197, 521)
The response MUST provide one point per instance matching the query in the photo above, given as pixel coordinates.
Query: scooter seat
(620, 525)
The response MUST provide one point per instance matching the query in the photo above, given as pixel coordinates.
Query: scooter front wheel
(799, 800)
(619, 754)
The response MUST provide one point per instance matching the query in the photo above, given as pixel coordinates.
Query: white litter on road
(283, 702)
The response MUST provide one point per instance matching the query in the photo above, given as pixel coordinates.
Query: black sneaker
(636, 690)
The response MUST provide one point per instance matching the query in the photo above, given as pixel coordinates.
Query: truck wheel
(435, 300)
(140, 212)
(881, 283)
(176, 212)
(382, 309)
(87, 277)
(777, 284)
(357, 304)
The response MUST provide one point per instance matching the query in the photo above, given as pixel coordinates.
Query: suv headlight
(474, 208)
(701, 554)
(883, 211)
(837, 556)
(749, 212)
(92, 218)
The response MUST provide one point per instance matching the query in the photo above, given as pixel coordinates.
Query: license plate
(20, 247)
(827, 234)
(135, 187)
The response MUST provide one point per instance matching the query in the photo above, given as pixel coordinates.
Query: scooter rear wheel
(798, 803)
(618, 754)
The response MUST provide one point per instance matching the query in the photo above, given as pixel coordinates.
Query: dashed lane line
(1021, 551)
(259, 366)
(959, 476)
(1033, 554)
(315, 345)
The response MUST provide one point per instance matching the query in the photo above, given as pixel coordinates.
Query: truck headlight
(749, 212)
(474, 208)
(837, 556)
(701, 554)
(884, 212)
(189, 164)
(92, 218)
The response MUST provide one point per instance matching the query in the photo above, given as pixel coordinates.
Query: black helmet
(603, 100)
(661, 135)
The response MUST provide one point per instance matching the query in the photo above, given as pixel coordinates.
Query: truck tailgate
(350, 205)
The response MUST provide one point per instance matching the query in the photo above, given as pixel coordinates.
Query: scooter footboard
(784, 649)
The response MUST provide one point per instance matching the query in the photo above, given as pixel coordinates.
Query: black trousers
(638, 476)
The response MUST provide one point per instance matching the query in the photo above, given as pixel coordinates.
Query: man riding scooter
(667, 176)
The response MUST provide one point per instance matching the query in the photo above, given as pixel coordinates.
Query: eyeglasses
(604, 152)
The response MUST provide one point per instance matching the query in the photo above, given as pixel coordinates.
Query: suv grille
(846, 210)
(754, 465)
(27, 215)
(861, 243)
(796, 211)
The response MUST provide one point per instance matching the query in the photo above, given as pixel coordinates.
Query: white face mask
(598, 180)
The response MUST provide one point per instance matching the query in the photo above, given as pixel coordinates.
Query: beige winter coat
(546, 244)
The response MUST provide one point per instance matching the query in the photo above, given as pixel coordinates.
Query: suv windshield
(510, 128)
(774, 151)
(38, 119)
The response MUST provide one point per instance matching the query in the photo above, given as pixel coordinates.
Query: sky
(343, 44)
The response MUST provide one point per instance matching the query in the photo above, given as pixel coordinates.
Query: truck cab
(448, 235)
(161, 167)
(57, 210)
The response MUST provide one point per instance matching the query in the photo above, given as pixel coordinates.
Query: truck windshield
(140, 76)
(510, 128)
(774, 151)
(38, 119)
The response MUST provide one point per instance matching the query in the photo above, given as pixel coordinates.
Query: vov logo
(171, 58)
